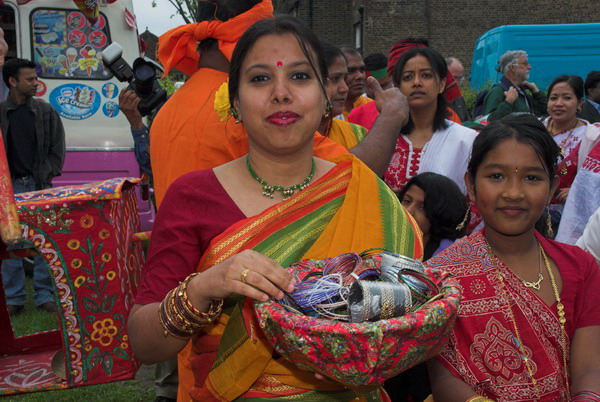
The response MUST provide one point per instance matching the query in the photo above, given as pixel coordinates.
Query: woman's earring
(328, 108)
(441, 91)
(465, 220)
(579, 109)
(235, 115)
(549, 224)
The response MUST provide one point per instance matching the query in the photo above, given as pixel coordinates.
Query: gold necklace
(514, 322)
(561, 319)
(536, 285)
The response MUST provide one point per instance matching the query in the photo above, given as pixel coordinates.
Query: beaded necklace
(563, 168)
(561, 319)
(286, 192)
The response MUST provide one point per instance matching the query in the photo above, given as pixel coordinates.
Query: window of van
(66, 45)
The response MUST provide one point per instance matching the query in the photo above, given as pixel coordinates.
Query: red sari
(483, 351)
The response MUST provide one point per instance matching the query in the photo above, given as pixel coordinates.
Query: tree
(185, 8)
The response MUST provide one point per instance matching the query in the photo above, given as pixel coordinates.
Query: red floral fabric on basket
(366, 353)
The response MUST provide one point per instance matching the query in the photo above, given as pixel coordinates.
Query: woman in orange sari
(226, 233)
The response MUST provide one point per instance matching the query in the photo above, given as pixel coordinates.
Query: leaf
(122, 353)
(107, 362)
(94, 357)
(91, 305)
(108, 304)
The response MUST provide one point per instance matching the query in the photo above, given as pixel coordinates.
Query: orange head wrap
(178, 47)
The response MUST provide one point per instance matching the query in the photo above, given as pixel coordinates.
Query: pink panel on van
(87, 167)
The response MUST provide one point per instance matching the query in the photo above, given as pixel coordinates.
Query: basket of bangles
(361, 318)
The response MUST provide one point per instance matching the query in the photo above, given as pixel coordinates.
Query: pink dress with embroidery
(404, 164)
(570, 143)
(484, 351)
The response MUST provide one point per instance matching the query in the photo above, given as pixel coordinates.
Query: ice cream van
(67, 49)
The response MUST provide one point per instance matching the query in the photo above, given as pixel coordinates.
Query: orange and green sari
(348, 209)
(346, 134)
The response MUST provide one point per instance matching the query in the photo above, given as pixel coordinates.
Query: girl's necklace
(536, 285)
(286, 192)
(561, 319)
(563, 168)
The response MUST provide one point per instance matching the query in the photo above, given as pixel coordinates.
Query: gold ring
(244, 275)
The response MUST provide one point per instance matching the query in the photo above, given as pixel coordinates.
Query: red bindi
(279, 64)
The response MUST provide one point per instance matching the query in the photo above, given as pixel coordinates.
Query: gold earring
(441, 91)
(465, 220)
(549, 224)
(328, 108)
(235, 115)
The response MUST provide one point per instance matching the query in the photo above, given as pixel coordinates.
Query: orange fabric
(187, 134)
(177, 48)
(361, 100)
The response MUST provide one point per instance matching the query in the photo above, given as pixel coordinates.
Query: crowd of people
(281, 147)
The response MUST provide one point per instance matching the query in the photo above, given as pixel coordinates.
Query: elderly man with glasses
(514, 93)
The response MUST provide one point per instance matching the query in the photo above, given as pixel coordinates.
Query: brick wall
(451, 26)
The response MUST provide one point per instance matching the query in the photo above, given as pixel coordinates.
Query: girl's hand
(248, 273)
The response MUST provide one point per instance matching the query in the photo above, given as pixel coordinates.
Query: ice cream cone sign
(89, 8)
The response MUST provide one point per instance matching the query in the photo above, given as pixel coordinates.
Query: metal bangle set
(358, 288)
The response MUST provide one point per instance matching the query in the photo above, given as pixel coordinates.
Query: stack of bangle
(586, 396)
(180, 318)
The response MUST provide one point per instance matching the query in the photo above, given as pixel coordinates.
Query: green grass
(33, 320)
(116, 391)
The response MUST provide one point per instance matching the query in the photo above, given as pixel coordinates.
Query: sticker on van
(110, 109)
(75, 101)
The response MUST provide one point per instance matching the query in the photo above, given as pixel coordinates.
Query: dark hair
(591, 81)
(375, 61)
(440, 68)
(350, 49)
(222, 10)
(332, 53)
(574, 81)
(524, 128)
(12, 68)
(307, 40)
(445, 208)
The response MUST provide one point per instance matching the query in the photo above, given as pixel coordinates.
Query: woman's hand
(248, 273)
(562, 195)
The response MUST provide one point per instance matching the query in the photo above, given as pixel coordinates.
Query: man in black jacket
(590, 109)
(34, 139)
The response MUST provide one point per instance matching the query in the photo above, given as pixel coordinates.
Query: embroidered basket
(366, 353)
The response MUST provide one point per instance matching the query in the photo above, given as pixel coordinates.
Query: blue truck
(553, 50)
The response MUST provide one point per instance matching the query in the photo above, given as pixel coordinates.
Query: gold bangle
(479, 398)
(178, 315)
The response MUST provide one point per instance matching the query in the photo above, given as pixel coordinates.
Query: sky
(156, 19)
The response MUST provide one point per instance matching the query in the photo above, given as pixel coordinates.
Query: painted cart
(85, 235)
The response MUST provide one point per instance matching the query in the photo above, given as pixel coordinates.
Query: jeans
(13, 274)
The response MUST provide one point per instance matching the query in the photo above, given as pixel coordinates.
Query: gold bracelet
(178, 315)
(479, 398)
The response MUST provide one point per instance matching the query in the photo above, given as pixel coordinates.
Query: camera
(141, 78)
